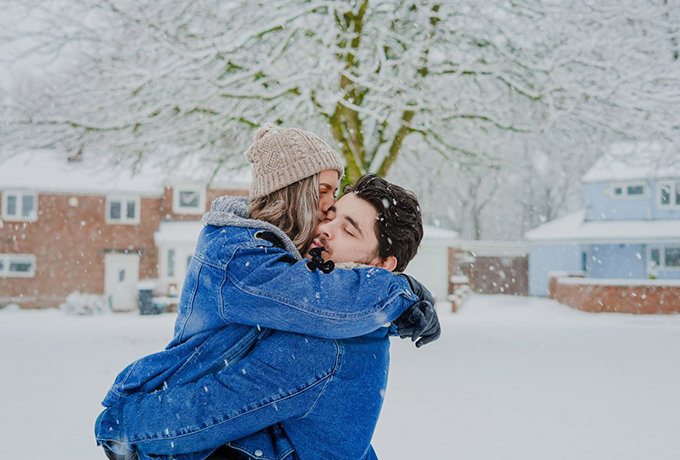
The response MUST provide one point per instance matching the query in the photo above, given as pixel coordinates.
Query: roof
(489, 248)
(49, 171)
(636, 161)
(574, 228)
(438, 237)
(178, 232)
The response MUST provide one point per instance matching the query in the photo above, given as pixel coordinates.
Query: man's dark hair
(399, 224)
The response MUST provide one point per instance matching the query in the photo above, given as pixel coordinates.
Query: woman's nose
(325, 203)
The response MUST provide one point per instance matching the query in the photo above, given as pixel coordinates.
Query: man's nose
(326, 231)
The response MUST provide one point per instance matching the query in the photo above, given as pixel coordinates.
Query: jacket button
(259, 453)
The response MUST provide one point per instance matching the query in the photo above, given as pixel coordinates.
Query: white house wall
(621, 261)
(430, 266)
(546, 258)
(601, 205)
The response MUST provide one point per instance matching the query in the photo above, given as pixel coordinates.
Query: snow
(573, 228)
(491, 248)
(619, 282)
(48, 171)
(511, 378)
(178, 232)
(635, 161)
(433, 233)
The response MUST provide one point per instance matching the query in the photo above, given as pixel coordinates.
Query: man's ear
(389, 263)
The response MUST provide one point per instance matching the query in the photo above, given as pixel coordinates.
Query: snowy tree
(147, 80)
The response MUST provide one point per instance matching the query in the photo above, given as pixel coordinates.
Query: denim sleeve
(291, 297)
(265, 388)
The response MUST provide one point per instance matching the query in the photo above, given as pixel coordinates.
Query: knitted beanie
(283, 156)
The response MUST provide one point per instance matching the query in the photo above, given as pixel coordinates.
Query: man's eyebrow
(354, 224)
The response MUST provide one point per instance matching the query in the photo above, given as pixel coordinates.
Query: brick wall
(165, 206)
(70, 242)
(654, 297)
(499, 274)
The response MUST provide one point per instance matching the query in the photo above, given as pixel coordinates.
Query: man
(293, 396)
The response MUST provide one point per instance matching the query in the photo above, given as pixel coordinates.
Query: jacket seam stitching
(362, 314)
(190, 305)
(335, 369)
(162, 438)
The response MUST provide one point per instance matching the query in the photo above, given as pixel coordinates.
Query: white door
(120, 280)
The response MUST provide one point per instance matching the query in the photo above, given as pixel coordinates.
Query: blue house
(629, 229)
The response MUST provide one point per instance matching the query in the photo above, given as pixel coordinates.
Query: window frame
(181, 253)
(675, 201)
(196, 188)
(624, 190)
(7, 260)
(20, 194)
(662, 255)
(124, 220)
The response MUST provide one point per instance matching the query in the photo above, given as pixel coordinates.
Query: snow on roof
(635, 161)
(432, 234)
(48, 171)
(573, 228)
(489, 248)
(178, 232)
(618, 282)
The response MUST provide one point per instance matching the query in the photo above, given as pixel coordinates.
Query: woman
(244, 274)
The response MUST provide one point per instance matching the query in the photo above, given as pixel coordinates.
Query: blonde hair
(293, 209)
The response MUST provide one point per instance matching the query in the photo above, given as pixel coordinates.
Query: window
(175, 262)
(17, 265)
(669, 195)
(584, 262)
(632, 190)
(171, 263)
(665, 257)
(672, 257)
(655, 256)
(189, 199)
(122, 210)
(21, 206)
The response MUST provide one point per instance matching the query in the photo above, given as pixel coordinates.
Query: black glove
(419, 321)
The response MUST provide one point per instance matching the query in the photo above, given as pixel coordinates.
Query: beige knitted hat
(283, 156)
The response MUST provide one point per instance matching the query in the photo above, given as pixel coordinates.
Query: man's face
(348, 232)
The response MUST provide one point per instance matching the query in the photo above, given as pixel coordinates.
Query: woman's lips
(317, 244)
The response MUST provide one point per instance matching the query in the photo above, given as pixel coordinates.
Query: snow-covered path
(511, 378)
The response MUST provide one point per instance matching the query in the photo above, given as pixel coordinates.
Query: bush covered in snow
(85, 304)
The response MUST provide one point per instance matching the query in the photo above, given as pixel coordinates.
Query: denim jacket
(237, 284)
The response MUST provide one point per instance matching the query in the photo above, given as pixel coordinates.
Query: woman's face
(328, 186)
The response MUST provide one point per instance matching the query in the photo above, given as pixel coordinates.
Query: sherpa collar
(234, 211)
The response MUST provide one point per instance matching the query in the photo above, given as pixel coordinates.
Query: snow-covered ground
(511, 378)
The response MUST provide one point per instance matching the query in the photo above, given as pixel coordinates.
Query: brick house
(67, 226)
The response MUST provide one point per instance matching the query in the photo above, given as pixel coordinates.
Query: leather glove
(420, 321)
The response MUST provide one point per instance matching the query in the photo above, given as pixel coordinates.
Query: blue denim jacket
(237, 284)
(303, 397)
